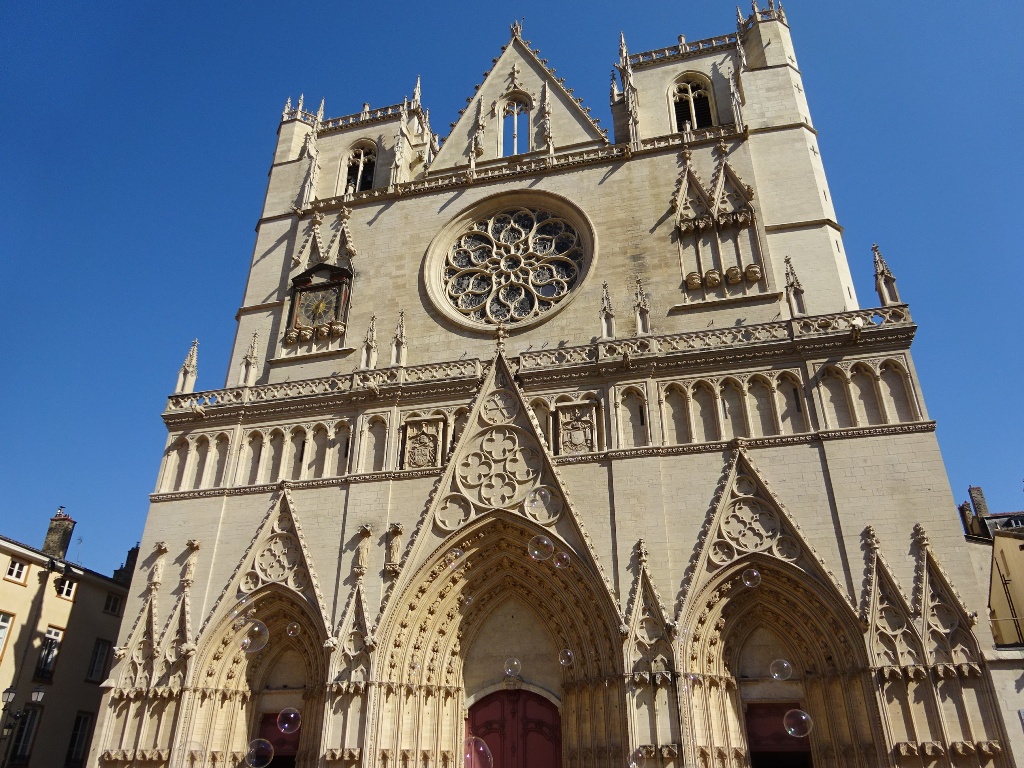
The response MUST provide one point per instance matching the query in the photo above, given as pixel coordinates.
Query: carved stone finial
(870, 538)
(417, 92)
(371, 333)
(400, 328)
(499, 339)
(320, 112)
(641, 552)
(606, 302)
(920, 536)
(642, 302)
(287, 109)
(794, 291)
(517, 29)
(302, 98)
(885, 281)
(189, 370)
(623, 50)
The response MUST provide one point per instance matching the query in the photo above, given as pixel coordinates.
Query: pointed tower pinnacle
(623, 51)
(417, 92)
(247, 375)
(885, 281)
(302, 98)
(517, 29)
(287, 108)
(320, 112)
(606, 314)
(189, 370)
(794, 291)
(615, 92)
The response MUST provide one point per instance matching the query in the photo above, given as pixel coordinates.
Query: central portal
(522, 729)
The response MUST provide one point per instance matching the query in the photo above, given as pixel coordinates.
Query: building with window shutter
(58, 626)
(577, 443)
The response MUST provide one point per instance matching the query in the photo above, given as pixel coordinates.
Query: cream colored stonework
(708, 399)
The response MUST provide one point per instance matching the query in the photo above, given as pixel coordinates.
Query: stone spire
(417, 92)
(642, 308)
(189, 370)
(399, 344)
(885, 281)
(607, 314)
(247, 376)
(794, 291)
(370, 345)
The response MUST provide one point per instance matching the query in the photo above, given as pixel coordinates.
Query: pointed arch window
(692, 101)
(360, 167)
(515, 126)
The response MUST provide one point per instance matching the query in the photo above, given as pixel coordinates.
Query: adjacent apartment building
(58, 625)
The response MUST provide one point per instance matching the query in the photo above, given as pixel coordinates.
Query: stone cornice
(325, 482)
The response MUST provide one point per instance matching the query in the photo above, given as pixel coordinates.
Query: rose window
(513, 267)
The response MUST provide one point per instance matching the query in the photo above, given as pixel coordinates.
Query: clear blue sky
(136, 138)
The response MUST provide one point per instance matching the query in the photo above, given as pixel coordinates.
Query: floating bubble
(562, 560)
(240, 608)
(797, 723)
(467, 600)
(255, 636)
(538, 497)
(751, 577)
(513, 667)
(476, 754)
(781, 669)
(540, 548)
(565, 657)
(289, 720)
(637, 759)
(292, 630)
(454, 556)
(259, 754)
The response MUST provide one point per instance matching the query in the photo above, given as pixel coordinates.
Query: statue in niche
(394, 548)
(362, 557)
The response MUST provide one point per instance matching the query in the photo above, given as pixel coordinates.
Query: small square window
(112, 604)
(66, 588)
(17, 571)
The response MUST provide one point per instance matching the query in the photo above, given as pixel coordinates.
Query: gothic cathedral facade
(579, 445)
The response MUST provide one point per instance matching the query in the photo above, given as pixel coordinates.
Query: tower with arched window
(636, 481)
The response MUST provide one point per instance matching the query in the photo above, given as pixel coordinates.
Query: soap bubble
(289, 720)
(255, 637)
(637, 759)
(565, 657)
(538, 497)
(476, 754)
(751, 577)
(781, 669)
(513, 667)
(562, 560)
(467, 600)
(797, 723)
(292, 630)
(540, 548)
(454, 556)
(260, 753)
(240, 608)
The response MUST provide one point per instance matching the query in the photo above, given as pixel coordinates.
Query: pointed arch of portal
(797, 611)
(433, 623)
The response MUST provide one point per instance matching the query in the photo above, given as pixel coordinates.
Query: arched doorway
(522, 729)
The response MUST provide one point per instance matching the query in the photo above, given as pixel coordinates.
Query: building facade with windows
(58, 626)
(561, 439)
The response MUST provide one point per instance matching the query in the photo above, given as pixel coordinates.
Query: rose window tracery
(513, 266)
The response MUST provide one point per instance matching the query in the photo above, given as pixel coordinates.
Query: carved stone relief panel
(577, 427)
(422, 443)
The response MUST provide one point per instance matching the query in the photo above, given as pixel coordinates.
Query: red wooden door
(522, 729)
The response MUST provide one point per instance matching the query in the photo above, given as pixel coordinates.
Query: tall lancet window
(362, 162)
(515, 127)
(693, 104)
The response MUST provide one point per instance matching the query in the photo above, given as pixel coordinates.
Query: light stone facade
(646, 348)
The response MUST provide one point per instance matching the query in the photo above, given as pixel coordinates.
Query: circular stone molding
(514, 260)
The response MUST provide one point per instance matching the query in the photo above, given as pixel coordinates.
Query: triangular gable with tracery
(355, 643)
(691, 202)
(177, 641)
(518, 73)
(499, 465)
(747, 519)
(731, 197)
(276, 556)
(945, 623)
(885, 610)
(649, 630)
(139, 649)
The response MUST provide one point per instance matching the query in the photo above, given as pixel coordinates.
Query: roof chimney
(58, 537)
(123, 575)
(978, 500)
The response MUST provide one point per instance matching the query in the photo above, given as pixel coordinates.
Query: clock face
(317, 307)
